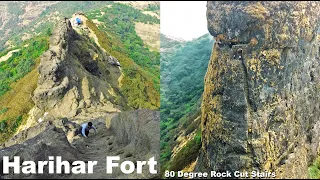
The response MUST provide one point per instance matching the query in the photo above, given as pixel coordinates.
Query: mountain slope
(183, 66)
(77, 75)
(18, 80)
(70, 74)
(142, 72)
(26, 19)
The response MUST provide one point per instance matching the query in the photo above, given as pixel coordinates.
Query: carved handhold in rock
(101, 97)
(81, 104)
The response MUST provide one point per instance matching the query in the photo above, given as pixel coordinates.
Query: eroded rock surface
(132, 135)
(79, 82)
(75, 74)
(260, 108)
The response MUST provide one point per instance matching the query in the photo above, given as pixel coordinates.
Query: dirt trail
(91, 34)
(8, 55)
(84, 25)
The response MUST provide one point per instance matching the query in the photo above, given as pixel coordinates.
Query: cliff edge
(260, 108)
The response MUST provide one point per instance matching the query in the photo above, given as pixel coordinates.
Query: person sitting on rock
(85, 128)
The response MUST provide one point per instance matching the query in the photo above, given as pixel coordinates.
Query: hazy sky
(183, 19)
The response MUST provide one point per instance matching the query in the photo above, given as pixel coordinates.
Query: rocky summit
(80, 82)
(74, 74)
(261, 103)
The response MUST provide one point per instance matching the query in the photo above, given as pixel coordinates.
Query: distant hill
(183, 67)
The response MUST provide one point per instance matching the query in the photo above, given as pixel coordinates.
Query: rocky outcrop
(260, 108)
(75, 74)
(79, 82)
(50, 142)
(138, 130)
(52, 81)
(132, 135)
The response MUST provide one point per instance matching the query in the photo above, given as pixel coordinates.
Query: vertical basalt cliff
(261, 101)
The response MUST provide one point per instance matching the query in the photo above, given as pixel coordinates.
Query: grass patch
(18, 103)
(3, 110)
(21, 63)
(150, 34)
(18, 80)
(314, 169)
(138, 87)
(187, 154)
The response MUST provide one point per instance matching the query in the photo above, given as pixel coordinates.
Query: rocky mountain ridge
(79, 82)
(74, 75)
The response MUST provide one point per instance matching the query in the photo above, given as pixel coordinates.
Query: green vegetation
(65, 9)
(21, 62)
(183, 67)
(3, 110)
(137, 86)
(153, 7)
(49, 32)
(19, 103)
(3, 125)
(314, 169)
(18, 79)
(119, 19)
(141, 84)
(187, 154)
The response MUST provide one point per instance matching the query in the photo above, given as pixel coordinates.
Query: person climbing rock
(239, 52)
(85, 128)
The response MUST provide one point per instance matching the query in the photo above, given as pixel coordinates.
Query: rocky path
(98, 146)
(133, 136)
(84, 26)
(95, 148)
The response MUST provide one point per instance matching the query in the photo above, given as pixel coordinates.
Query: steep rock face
(139, 132)
(75, 74)
(51, 142)
(260, 108)
(132, 135)
(138, 129)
